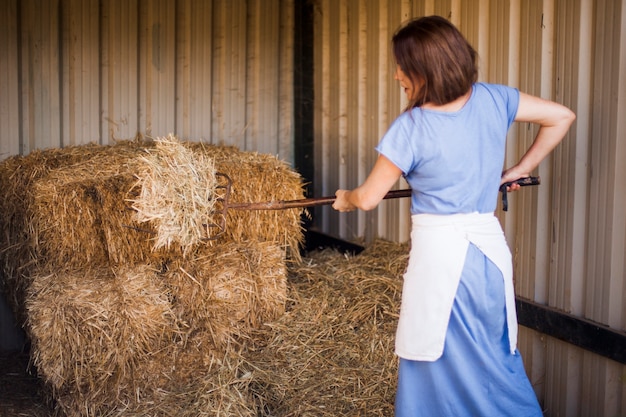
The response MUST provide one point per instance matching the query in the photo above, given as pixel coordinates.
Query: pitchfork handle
(305, 202)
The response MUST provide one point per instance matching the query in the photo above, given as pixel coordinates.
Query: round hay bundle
(177, 194)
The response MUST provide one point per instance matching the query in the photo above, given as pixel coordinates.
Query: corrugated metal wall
(79, 71)
(568, 235)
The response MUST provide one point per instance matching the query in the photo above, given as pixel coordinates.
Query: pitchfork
(320, 201)
(275, 205)
(224, 200)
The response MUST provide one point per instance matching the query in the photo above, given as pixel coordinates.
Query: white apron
(438, 248)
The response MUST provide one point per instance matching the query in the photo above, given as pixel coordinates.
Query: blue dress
(453, 162)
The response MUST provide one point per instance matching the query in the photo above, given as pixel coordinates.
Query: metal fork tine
(223, 200)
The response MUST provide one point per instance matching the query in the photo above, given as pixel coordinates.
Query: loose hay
(332, 354)
(177, 194)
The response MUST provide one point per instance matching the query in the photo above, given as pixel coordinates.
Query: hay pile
(136, 315)
(332, 354)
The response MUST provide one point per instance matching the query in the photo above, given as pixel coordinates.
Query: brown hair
(437, 59)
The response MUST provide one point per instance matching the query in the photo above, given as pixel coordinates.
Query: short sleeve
(396, 144)
(510, 97)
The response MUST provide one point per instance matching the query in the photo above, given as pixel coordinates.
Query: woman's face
(405, 83)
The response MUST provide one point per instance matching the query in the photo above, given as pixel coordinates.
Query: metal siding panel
(229, 73)
(40, 87)
(373, 60)
(263, 76)
(81, 72)
(342, 95)
(618, 319)
(617, 195)
(540, 198)
(606, 227)
(330, 111)
(398, 226)
(120, 70)
(473, 21)
(321, 50)
(96, 71)
(499, 20)
(286, 105)
(193, 72)
(349, 98)
(575, 90)
(358, 52)
(9, 80)
(157, 67)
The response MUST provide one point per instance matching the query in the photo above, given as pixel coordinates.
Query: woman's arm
(367, 196)
(554, 121)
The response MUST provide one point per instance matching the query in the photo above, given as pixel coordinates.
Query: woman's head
(436, 58)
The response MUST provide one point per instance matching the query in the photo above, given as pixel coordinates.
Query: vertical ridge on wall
(82, 94)
(352, 108)
(285, 117)
(9, 107)
(119, 75)
(194, 61)
(618, 319)
(567, 272)
(157, 63)
(603, 234)
(392, 218)
(328, 110)
(579, 157)
(531, 36)
(262, 79)
(379, 66)
(229, 106)
(40, 94)
(395, 215)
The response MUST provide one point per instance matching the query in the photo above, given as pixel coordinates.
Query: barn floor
(20, 394)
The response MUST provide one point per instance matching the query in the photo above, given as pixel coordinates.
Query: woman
(457, 331)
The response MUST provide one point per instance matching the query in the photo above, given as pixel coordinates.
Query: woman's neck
(453, 106)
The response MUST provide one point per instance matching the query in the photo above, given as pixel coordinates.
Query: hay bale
(106, 340)
(233, 286)
(93, 326)
(37, 230)
(71, 207)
